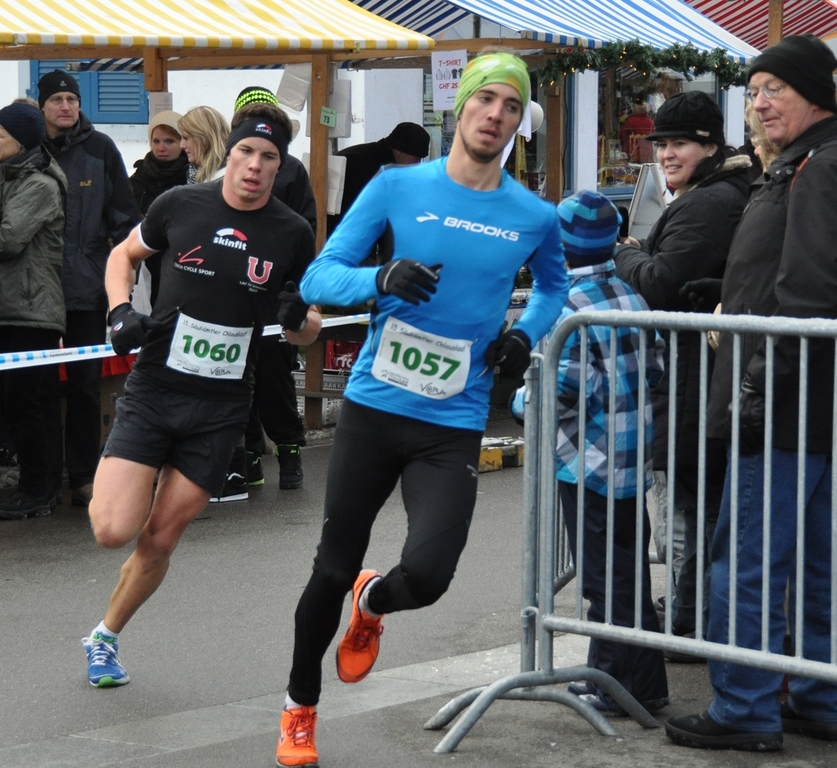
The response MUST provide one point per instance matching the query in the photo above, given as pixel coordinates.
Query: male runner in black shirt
(230, 253)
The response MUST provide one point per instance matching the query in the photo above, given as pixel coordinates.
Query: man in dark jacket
(781, 262)
(407, 144)
(100, 212)
(274, 411)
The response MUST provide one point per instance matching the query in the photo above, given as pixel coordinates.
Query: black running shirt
(222, 271)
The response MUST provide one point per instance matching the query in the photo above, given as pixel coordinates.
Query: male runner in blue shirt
(418, 396)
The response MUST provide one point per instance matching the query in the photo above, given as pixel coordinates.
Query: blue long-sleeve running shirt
(428, 361)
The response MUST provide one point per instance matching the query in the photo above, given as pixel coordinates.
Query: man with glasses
(781, 262)
(100, 212)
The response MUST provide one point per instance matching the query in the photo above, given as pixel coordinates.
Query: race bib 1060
(205, 349)
(421, 362)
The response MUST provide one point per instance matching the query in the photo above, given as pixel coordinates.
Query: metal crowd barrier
(547, 565)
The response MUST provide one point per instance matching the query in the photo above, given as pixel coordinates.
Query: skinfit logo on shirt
(231, 238)
(472, 226)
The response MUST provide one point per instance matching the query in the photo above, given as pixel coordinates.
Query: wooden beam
(318, 170)
(238, 60)
(611, 119)
(533, 61)
(474, 45)
(314, 364)
(208, 58)
(47, 52)
(258, 57)
(775, 22)
(155, 70)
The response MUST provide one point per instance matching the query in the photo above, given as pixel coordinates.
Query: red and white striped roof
(747, 19)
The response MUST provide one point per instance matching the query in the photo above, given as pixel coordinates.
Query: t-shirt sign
(446, 68)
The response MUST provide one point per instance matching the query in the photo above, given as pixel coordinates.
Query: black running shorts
(156, 426)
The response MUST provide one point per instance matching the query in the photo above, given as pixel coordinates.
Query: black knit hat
(23, 123)
(56, 82)
(806, 64)
(410, 138)
(692, 115)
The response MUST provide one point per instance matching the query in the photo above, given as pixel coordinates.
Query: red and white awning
(747, 19)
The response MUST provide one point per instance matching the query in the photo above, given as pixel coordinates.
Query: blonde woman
(203, 135)
(765, 150)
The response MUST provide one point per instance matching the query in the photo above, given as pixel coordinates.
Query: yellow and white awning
(246, 25)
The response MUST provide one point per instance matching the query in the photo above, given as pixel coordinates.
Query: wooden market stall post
(775, 21)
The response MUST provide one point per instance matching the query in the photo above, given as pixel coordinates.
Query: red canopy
(747, 19)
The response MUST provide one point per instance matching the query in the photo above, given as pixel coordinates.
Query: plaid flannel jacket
(596, 287)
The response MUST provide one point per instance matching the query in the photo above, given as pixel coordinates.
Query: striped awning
(747, 19)
(588, 23)
(252, 25)
(430, 17)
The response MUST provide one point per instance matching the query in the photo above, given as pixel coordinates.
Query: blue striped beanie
(589, 228)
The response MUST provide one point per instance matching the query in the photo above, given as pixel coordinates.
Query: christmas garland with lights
(685, 59)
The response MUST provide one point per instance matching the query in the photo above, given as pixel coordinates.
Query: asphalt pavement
(209, 654)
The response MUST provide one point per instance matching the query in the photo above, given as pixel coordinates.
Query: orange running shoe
(296, 745)
(358, 649)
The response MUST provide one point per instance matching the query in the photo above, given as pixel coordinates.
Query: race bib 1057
(424, 363)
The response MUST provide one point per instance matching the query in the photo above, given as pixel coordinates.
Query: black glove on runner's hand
(408, 280)
(704, 294)
(751, 419)
(293, 311)
(129, 329)
(510, 351)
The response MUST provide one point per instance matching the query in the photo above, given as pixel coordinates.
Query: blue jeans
(746, 698)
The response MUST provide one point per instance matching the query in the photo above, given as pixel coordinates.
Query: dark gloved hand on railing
(704, 294)
(751, 419)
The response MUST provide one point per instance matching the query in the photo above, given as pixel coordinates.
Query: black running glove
(510, 351)
(293, 311)
(408, 280)
(129, 329)
(751, 419)
(704, 294)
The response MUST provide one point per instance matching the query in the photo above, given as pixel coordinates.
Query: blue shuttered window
(106, 97)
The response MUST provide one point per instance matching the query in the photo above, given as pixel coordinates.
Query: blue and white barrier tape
(73, 354)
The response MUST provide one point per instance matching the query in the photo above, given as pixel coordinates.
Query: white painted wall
(381, 99)
(11, 86)
(734, 116)
(584, 127)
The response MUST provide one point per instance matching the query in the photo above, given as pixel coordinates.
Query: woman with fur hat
(31, 297)
(689, 242)
(165, 166)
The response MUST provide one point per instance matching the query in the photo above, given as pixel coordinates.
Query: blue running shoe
(103, 667)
